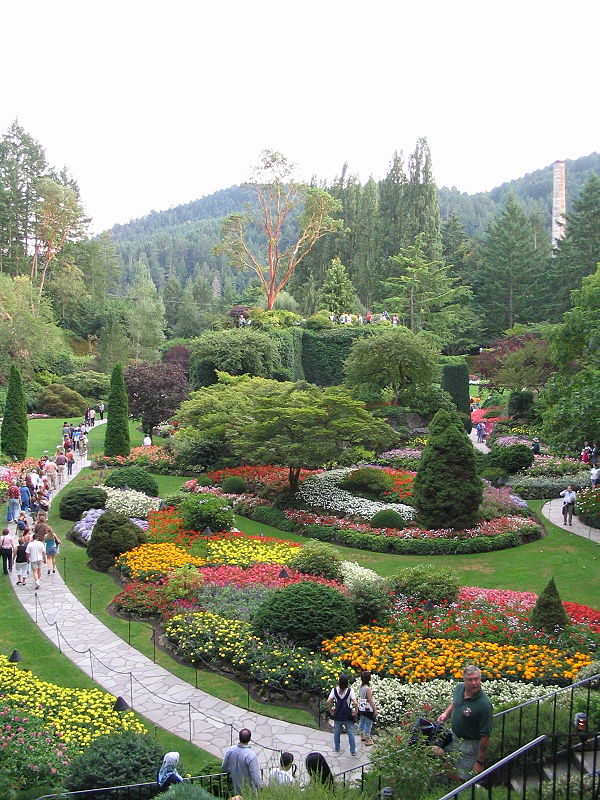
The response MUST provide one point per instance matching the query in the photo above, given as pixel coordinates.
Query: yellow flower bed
(242, 550)
(79, 715)
(415, 660)
(212, 636)
(148, 559)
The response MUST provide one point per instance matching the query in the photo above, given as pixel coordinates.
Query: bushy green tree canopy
(238, 352)
(295, 425)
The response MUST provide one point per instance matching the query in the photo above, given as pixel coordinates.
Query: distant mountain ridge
(179, 242)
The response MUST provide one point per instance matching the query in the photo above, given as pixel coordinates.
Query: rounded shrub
(204, 480)
(199, 511)
(368, 479)
(137, 478)
(318, 558)
(197, 452)
(113, 534)
(371, 601)
(175, 498)
(511, 459)
(305, 613)
(425, 582)
(75, 501)
(116, 760)
(388, 518)
(58, 400)
(233, 484)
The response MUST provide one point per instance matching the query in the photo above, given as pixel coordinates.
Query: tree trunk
(294, 478)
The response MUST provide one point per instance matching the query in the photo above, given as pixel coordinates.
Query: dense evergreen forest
(461, 269)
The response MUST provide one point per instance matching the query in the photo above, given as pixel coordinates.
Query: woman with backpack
(344, 713)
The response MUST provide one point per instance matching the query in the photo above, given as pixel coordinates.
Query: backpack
(342, 712)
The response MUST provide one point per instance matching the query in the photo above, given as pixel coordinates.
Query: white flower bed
(130, 502)
(355, 575)
(323, 491)
(395, 701)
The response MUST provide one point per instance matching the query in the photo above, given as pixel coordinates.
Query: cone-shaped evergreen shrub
(14, 425)
(116, 439)
(447, 491)
(549, 613)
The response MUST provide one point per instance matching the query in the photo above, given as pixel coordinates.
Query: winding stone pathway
(157, 694)
(553, 511)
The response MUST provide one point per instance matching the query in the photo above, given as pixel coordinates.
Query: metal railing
(217, 784)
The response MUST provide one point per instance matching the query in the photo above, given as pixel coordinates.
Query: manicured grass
(573, 561)
(46, 434)
(98, 432)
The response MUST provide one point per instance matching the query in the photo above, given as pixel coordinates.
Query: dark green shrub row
(368, 479)
(430, 547)
(79, 499)
(269, 515)
(137, 478)
(514, 458)
(455, 380)
(289, 346)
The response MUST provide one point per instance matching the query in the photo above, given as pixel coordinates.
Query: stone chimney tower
(559, 202)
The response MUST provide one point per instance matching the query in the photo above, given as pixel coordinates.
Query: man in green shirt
(470, 714)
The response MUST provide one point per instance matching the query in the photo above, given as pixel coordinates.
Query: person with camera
(470, 714)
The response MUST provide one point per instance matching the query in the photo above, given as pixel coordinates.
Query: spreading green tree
(447, 491)
(578, 253)
(116, 439)
(277, 196)
(394, 359)
(293, 425)
(337, 293)
(13, 435)
(549, 613)
(509, 275)
(236, 351)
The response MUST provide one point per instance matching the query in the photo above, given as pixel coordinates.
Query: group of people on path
(29, 551)
(469, 714)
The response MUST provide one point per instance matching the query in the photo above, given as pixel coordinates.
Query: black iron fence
(217, 784)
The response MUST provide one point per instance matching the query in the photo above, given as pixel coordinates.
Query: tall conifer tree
(14, 424)
(116, 439)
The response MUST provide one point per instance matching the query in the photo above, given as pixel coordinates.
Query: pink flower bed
(264, 574)
(526, 600)
(492, 528)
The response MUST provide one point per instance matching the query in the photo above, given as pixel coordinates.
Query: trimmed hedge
(73, 503)
(324, 354)
(269, 515)
(137, 478)
(455, 380)
(289, 347)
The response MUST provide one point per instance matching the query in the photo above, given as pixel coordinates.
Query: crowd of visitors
(32, 545)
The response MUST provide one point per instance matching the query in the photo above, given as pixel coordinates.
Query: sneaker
(36, 584)
(48, 572)
(53, 571)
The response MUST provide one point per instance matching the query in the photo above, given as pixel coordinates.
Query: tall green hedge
(289, 347)
(324, 353)
(455, 380)
(116, 439)
(14, 431)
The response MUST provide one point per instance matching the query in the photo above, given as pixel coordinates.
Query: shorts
(51, 551)
(22, 568)
(468, 750)
(36, 564)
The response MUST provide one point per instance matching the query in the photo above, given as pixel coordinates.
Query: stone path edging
(552, 510)
(157, 694)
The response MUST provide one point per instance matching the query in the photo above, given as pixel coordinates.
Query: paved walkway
(553, 512)
(478, 445)
(159, 695)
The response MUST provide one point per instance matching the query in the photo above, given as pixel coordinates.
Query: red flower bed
(264, 574)
(269, 476)
(403, 483)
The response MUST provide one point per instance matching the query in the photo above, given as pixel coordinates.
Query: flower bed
(152, 456)
(553, 466)
(543, 487)
(82, 530)
(322, 491)
(77, 715)
(415, 659)
(238, 548)
(588, 507)
(268, 575)
(149, 561)
(130, 502)
(268, 476)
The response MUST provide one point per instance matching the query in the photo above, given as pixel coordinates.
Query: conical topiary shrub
(14, 425)
(447, 491)
(549, 613)
(116, 439)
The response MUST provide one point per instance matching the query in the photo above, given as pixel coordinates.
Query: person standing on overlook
(470, 715)
(569, 496)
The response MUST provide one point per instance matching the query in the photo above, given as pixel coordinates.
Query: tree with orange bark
(60, 217)
(278, 199)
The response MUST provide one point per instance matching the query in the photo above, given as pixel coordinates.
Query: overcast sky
(155, 104)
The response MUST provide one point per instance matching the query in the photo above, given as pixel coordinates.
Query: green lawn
(46, 434)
